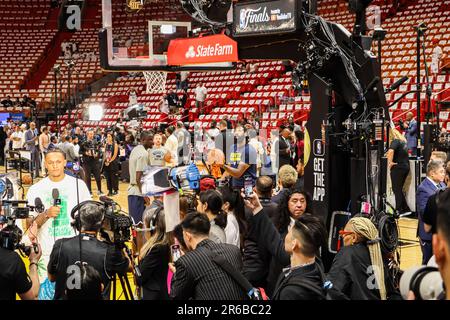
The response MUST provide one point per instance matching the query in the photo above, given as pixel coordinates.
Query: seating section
(86, 67)
(24, 40)
(27, 14)
(227, 92)
(267, 93)
(399, 47)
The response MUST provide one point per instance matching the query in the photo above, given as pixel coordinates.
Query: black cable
(388, 231)
(78, 217)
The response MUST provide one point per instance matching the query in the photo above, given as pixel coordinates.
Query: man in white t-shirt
(200, 97)
(17, 138)
(55, 222)
(139, 160)
(436, 57)
(211, 135)
(171, 146)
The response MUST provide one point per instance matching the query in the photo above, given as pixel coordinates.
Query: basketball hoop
(156, 81)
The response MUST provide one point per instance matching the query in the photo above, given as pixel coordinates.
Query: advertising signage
(271, 17)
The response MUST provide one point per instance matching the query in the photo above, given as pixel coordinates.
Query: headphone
(154, 219)
(417, 277)
(76, 223)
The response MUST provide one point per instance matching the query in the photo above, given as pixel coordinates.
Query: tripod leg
(114, 286)
(124, 288)
(127, 283)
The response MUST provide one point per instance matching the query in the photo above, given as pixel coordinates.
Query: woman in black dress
(398, 162)
(111, 164)
(154, 256)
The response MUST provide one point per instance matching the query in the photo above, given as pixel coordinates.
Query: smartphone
(176, 252)
(248, 186)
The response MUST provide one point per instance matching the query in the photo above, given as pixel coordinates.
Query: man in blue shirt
(241, 160)
(410, 127)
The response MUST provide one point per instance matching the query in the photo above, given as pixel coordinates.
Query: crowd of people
(26, 102)
(230, 236)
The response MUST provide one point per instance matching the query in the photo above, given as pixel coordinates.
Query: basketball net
(156, 81)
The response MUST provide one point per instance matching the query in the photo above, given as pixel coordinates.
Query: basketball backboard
(136, 35)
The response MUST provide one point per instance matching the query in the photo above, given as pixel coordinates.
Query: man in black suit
(284, 148)
(196, 275)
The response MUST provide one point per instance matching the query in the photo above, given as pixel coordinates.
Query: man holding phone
(241, 161)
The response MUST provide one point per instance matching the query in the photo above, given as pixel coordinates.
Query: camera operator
(106, 258)
(91, 285)
(54, 223)
(91, 165)
(14, 278)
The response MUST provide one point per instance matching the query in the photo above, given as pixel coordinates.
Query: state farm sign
(210, 49)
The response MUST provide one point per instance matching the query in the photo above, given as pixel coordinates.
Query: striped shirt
(197, 277)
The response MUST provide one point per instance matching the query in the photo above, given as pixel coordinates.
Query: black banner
(265, 17)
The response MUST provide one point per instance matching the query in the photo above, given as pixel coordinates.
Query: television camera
(11, 234)
(117, 226)
(157, 180)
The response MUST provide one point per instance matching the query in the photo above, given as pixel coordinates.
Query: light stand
(70, 65)
(57, 71)
(76, 172)
(61, 102)
(429, 90)
(421, 28)
(379, 35)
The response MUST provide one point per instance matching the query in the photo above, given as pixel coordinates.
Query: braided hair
(367, 231)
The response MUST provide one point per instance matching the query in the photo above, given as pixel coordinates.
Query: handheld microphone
(397, 84)
(55, 196)
(38, 205)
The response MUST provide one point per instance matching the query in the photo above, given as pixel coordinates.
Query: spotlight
(95, 112)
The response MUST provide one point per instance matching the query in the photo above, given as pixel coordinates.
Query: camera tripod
(124, 281)
(126, 287)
